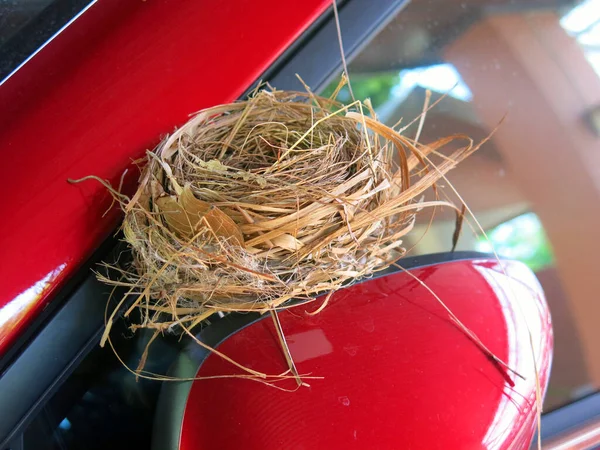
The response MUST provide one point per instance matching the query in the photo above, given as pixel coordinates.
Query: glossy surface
(97, 96)
(397, 372)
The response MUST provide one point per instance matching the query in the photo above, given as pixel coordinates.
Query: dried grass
(281, 197)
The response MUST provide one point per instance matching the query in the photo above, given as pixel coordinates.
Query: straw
(282, 197)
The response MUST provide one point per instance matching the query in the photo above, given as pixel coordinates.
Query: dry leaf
(186, 215)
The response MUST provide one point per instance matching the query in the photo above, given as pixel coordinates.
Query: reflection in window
(521, 238)
(378, 87)
(388, 89)
(583, 23)
(441, 78)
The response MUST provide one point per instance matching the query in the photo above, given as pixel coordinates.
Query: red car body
(391, 369)
(102, 92)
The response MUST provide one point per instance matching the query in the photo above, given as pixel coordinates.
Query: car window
(527, 71)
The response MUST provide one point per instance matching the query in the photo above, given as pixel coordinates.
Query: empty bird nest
(258, 204)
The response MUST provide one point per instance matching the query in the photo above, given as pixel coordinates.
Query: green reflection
(522, 238)
(378, 87)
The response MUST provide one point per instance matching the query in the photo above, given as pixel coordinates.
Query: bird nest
(253, 205)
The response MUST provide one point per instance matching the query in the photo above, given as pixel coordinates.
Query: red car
(88, 88)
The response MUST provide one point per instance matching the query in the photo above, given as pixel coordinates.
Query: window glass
(535, 186)
(521, 238)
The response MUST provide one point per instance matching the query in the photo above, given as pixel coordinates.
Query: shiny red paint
(396, 371)
(99, 95)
